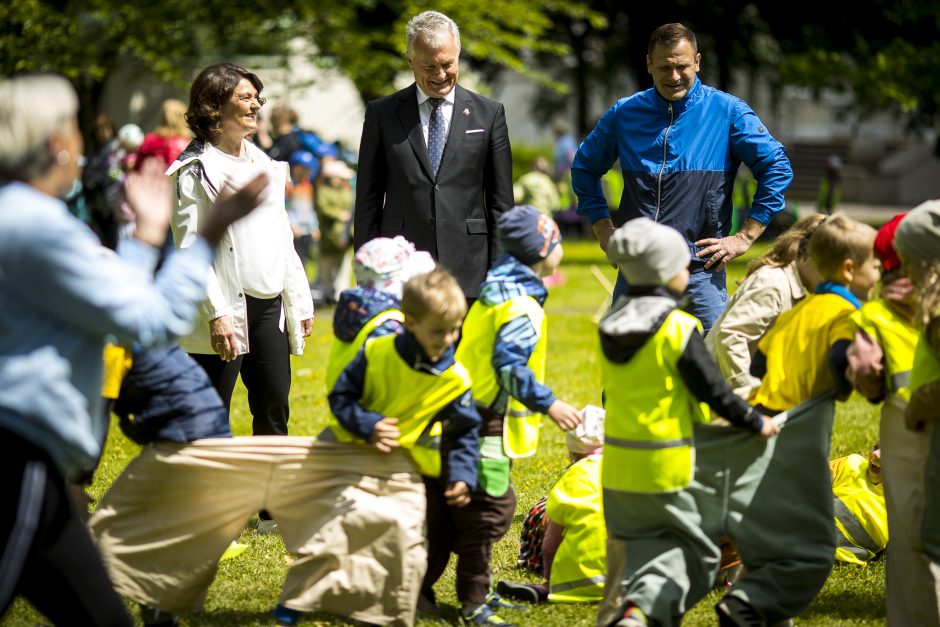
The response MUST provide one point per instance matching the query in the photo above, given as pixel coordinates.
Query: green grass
(247, 587)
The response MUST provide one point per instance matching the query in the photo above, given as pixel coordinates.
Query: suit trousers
(265, 370)
(352, 516)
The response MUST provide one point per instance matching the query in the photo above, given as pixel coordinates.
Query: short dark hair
(210, 91)
(669, 35)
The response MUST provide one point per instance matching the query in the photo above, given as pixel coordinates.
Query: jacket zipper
(659, 179)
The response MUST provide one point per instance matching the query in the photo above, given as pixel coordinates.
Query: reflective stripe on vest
(897, 338)
(854, 536)
(393, 388)
(650, 413)
(861, 517)
(342, 353)
(521, 426)
(596, 580)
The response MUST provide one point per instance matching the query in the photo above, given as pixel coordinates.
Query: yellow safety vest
(861, 515)
(580, 564)
(648, 445)
(896, 337)
(117, 361)
(342, 353)
(926, 367)
(395, 389)
(521, 426)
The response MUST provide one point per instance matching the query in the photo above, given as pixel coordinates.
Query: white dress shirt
(424, 110)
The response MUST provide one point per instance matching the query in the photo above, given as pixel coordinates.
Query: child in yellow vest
(880, 362)
(574, 554)
(385, 404)
(918, 244)
(504, 347)
(657, 376)
(858, 492)
(373, 308)
(804, 352)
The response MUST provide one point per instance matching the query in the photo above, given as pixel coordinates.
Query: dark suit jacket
(452, 216)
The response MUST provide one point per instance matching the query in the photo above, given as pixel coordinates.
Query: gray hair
(432, 28)
(34, 108)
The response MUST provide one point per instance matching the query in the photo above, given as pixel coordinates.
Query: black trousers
(469, 532)
(48, 555)
(265, 370)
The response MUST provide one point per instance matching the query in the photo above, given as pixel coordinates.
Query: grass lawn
(247, 587)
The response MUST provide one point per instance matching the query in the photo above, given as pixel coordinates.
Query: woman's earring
(63, 157)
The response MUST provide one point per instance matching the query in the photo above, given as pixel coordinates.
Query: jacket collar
(510, 278)
(407, 347)
(678, 106)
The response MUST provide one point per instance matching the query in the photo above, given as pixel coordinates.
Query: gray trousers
(773, 498)
(911, 597)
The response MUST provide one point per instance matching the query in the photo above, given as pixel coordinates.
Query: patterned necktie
(436, 134)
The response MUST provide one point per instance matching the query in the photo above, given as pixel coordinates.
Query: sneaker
(519, 591)
(155, 617)
(481, 614)
(285, 615)
(733, 612)
(265, 527)
(233, 550)
(633, 617)
(496, 603)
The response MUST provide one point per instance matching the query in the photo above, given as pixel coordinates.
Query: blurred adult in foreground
(259, 308)
(62, 294)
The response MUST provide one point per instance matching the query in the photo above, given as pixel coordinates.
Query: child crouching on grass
(504, 346)
(385, 404)
(656, 376)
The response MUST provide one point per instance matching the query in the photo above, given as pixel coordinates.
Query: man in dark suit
(434, 163)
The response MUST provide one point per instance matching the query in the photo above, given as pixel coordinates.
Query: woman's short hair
(34, 108)
(432, 28)
(210, 91)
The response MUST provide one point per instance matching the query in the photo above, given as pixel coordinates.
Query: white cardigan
(196, 189)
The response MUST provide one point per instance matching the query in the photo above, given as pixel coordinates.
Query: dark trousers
(468, 531)
(265, 370)
(48, 556)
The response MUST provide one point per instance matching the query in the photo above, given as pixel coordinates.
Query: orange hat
(884, 244)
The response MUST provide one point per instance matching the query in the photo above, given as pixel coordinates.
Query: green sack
(494, 466)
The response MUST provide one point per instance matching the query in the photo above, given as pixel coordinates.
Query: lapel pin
(466, 112)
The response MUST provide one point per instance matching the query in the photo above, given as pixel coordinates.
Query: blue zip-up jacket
(460, 440)
(515, 341)
(679, 161)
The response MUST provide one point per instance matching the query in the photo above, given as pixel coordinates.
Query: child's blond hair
(925, 274)
(435, 292)
(838, 238)
(791, 245)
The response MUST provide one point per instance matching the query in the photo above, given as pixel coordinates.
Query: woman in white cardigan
(259, 308)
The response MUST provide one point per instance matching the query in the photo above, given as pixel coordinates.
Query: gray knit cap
(647, 252)
(918, 235)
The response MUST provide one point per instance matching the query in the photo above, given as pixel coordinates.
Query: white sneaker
(267, 526)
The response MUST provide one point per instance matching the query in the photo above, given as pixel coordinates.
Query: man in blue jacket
(679, 145)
